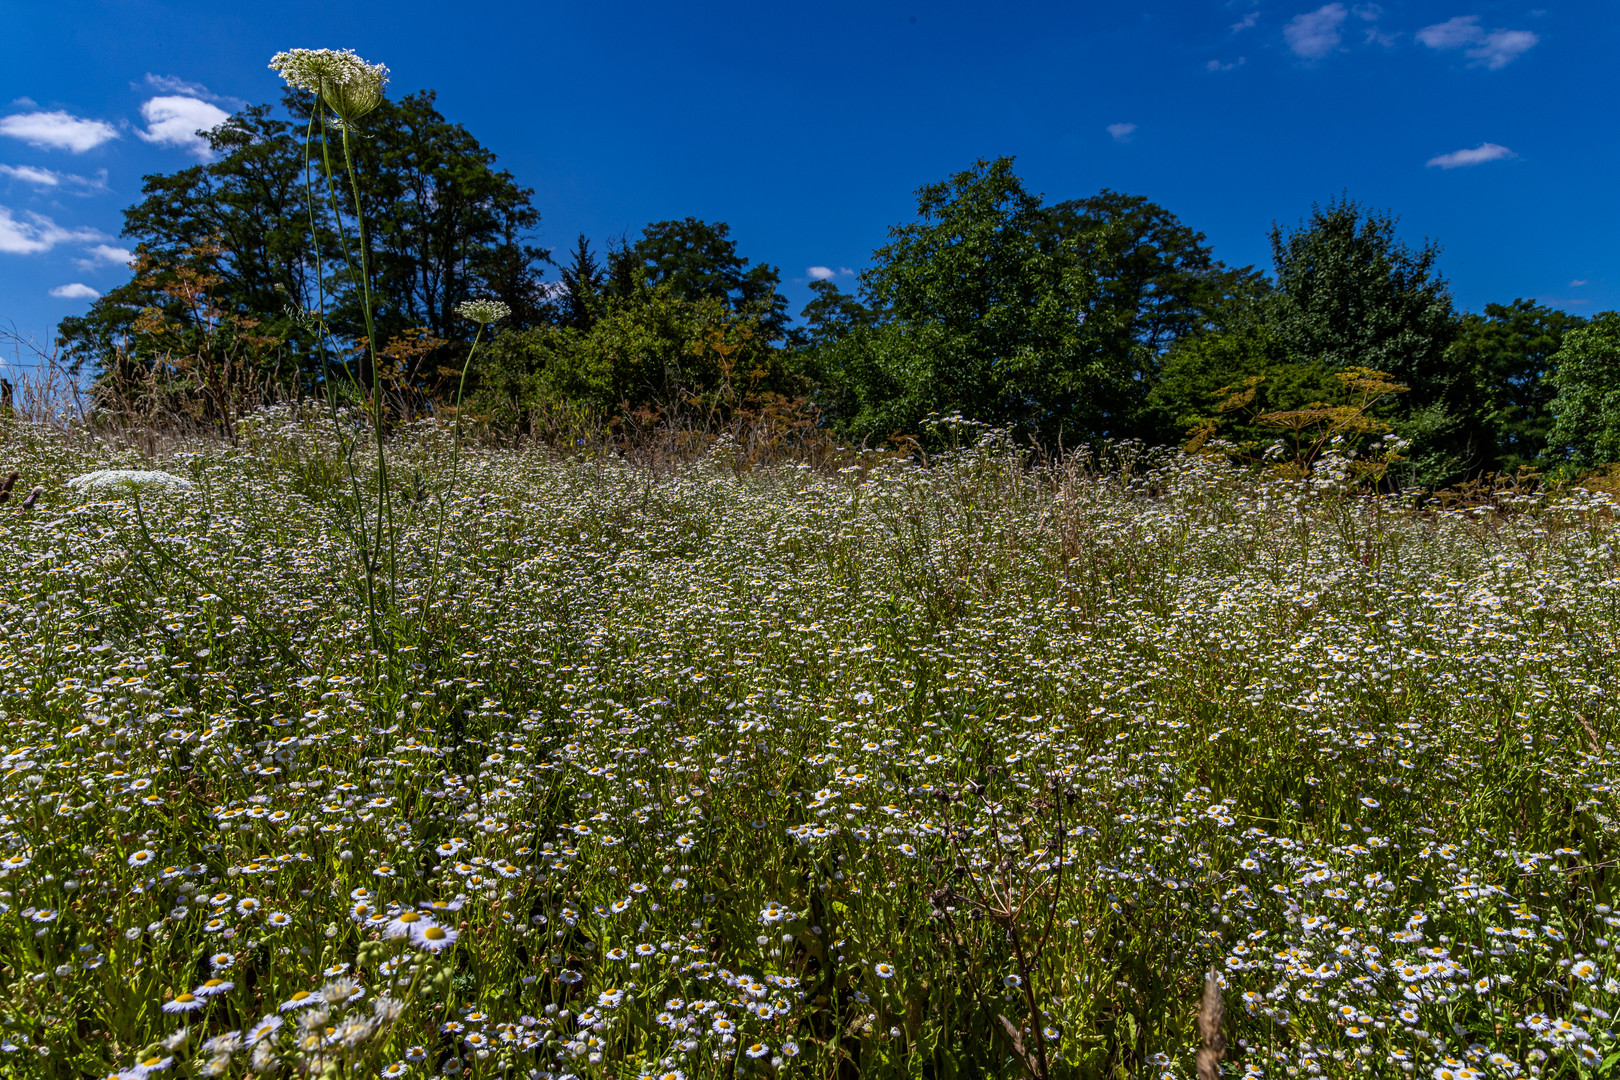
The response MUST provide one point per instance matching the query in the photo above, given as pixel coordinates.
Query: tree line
(1097, 317)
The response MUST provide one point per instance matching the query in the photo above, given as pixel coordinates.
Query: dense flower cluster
(349, 86)
(721, 773)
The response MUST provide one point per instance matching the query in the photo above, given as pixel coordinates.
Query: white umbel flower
(129, 480)
(347, 84)
(483, 311)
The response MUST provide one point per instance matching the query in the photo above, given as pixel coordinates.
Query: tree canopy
(446, 225)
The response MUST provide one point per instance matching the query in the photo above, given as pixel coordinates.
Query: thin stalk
(455, 462)
(368, 563)
(364, 541)
(385, 503)
(186, 572)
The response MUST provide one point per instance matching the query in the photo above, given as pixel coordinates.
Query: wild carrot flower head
(347, 84)
(129, 480)
(483, 311)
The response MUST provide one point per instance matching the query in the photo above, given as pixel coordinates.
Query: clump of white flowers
(483, 312)
(347, 84)
(129, 480)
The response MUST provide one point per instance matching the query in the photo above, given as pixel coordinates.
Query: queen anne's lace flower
(483, 311)
(129, 480)
(347, 84)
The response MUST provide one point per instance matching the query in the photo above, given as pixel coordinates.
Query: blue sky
(1490, 126)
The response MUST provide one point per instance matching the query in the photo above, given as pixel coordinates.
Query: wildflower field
(977, 769)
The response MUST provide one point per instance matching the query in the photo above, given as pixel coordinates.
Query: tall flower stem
(362, 539)
(385, 504)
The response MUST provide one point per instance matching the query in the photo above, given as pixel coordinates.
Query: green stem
(455, 462)
(385, 506)
(366, 561)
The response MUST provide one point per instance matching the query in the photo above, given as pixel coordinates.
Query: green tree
(698, 260)
(976, 306)
(241, 218)
(1508, 352)
(1203, 372)
(583, 280)
(1585, 378)
(654, 350)
(447, 225)
(1157, 282)
(1350, 294)
(830, 315)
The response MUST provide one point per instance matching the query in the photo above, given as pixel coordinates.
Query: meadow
(978, 768)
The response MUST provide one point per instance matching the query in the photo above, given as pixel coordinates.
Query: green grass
(969, 771)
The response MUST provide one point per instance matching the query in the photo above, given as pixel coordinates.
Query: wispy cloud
(1453, 33)
(57, 131)
(1314, 34)
(175, 121)
(32, 233)
(104, 255)
(1479, 155)
(827, 273)
(1246, 22)
(1501, 47)
(51, 179)
(1494, 50)
(75, 291)
(1122, 132)
(1578, 282)
(174, 85)
(1216, 65)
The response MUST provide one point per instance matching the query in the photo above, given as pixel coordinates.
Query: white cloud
(104, 254)
(1121, 132)
(34, 233)
(1479, 155)
(175, 121)
(1501, 47)
(50, 178)
(1577, 283)
(1248, 20)
(822, 273)
(1314, 34)
(1453, 33)
(1216, 65)
(28, 174)
(173, 85)
(1496, 49)
(75, 291)
(57, 130)
(170, 84)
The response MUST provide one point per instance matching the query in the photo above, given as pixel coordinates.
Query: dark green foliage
(1203, 371)
(655, 351)
(1586, 407)
(1157, 282)
(698, 260)
(446, 225)
(582, 283)
(1349, 294)
(830, 315)
(251, 200)
(978, 307)
(1508, 353)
